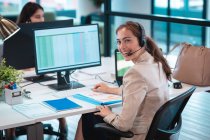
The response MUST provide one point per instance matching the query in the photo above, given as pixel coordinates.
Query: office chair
(1, 134)
(47, 129)
(166, 123)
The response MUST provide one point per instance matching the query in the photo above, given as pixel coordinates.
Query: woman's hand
(101, 87)
(103, 111)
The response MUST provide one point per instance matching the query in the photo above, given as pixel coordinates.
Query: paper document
(33, 110)
(61, 104)
(97, 98)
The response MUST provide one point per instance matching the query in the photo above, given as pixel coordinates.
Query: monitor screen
(19, 49)
(121, 66)
(66, 49)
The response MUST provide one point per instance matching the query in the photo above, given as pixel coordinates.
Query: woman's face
(127, 43)
(38, 16)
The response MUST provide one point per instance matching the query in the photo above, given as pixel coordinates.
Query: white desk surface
(9, 118)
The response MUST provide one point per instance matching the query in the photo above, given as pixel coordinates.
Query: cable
(66, 80)
(97, 75)
(104, 80)
(72, 71)
(74, 78)
(41, 84)
(69, 83)
(26, 85)
(38, 81)
(90, 74)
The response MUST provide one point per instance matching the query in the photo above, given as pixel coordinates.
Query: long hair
(28, 10)
(150, 45)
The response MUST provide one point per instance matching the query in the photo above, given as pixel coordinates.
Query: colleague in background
(144, 89)
(31, 13)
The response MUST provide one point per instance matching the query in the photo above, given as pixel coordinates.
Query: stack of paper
(33, 110)
(97, 98)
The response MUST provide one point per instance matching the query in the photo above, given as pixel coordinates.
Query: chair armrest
(113, 131)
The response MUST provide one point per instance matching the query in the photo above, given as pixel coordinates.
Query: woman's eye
(127, 40)
(37, 16)
(118, 42)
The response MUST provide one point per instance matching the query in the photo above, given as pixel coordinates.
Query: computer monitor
(121, 67)
(66, 49)
(19, 49)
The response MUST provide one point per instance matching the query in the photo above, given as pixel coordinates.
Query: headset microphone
(130, 53)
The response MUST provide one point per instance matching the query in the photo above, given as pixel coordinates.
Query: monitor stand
(39, 78)
(65, 83)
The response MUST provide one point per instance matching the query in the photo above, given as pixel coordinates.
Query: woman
(144, 89)
(31, 13)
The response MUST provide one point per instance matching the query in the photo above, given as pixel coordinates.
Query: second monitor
(65, 49)
(19, 49)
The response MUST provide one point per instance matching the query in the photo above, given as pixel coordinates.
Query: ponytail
(153, 49)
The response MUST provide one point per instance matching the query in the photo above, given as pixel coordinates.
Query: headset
(142, 37)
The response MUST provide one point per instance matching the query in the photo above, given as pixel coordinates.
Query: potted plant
(8, 74)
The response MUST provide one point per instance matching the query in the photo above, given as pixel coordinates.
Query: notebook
(61, 104)
(121, 67)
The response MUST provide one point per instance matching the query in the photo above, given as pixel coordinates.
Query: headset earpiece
(142, 38)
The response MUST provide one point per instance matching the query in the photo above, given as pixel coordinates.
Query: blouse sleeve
(134, 92)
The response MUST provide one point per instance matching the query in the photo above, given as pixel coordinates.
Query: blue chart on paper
(93, 101)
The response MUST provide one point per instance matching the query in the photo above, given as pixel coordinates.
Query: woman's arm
(134, 92)
(101, 87)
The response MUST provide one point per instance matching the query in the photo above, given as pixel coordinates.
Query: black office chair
(1, 134)
(166, 123)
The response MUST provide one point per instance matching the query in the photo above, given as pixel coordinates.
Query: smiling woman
(145, 83)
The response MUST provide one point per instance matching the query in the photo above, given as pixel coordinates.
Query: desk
(10, 118)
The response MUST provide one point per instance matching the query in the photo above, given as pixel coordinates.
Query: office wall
(86, 7)
(134, 6)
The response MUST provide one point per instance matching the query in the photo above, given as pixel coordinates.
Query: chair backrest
(1, 134)
(168, 117)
